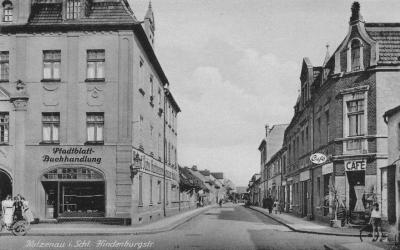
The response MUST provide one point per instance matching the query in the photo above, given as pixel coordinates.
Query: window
(355, 113)
(4, 122)
(4, 65)
(151, 79)
(398, 137)
(51, 127)
(319, 130)
(307, 139)
(159, 98)
(355, 55)
(95, 65)
(73, 9)
(326, 194)
(151, 189)
(327, 125)
(7, 11)
(140, 190)
(95, 127)
(159, 191)
(51, 64)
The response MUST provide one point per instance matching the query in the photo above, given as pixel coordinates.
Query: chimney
(355, 14)
(266, 130)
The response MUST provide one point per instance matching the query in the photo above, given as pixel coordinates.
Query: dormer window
(73, 9)
(355, 56)
(7, 11)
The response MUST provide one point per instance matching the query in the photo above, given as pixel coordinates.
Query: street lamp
(135, 167)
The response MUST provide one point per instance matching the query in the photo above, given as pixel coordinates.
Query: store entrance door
(74, 192)
(5, 185)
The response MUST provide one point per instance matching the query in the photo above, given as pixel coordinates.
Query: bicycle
(17, 228)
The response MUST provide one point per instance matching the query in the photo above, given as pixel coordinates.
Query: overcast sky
(234, 66)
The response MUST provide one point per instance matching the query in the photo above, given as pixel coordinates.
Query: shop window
(50, 127)
(51, 64)
(95, 65)
(4, 66)
(355, 114)
(95, 127)
(73, 9)
(326, 194)
(4, 125)
(7, 11)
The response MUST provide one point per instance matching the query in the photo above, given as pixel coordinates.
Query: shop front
(357, 194)
(74, 191)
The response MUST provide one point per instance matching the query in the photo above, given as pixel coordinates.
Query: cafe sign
(318, 158)
(357, 165)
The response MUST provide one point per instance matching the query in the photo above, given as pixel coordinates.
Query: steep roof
(388, 37)
(107, 12)
(275, 139)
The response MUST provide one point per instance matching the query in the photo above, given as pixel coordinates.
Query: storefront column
(20, 102)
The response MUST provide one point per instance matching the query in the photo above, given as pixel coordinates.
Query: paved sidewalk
(71, 229)
(303, 225)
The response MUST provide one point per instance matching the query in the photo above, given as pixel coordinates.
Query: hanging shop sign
(72, 155)
(318, 158)
(357, 165)
(304, 176)
(327, 168)
(150, 165)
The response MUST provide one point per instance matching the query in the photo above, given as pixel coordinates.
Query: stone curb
(135, 231)
(304, 231)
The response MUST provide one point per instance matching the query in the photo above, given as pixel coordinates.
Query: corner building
(339, 113)
(86, 125)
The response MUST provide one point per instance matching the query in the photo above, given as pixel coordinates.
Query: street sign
(318, 158)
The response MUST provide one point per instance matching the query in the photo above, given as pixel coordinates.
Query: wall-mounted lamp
(135, 167)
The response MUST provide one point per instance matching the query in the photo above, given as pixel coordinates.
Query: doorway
(5, 185)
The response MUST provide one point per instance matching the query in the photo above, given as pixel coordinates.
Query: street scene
(187, 124)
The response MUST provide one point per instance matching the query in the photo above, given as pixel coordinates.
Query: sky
(234, 66)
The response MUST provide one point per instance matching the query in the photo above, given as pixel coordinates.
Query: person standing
(27, 211)
(376, 222)
(269, 204)
(8, 210)
(18, 208)
(276, 206)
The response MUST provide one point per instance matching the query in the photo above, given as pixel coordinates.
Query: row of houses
(202, 187)
(347, 111)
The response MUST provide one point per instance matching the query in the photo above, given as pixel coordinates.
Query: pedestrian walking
(376, 222)
(27, 211)
(8, 210)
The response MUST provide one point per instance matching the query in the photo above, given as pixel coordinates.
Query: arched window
(7, 11)
(356, 55)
